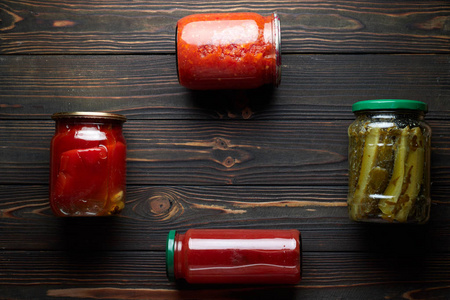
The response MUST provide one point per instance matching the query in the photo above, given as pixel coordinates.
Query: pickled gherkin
(389, 165)
(360, 199)
(395, 186)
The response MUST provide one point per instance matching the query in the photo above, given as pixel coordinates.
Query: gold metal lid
(89, 115)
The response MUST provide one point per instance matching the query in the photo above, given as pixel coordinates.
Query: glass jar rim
(89, 115)
(276, 29)
(389, 104)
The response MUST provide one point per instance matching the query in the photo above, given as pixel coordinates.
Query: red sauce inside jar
(235, 256)
(87, 164)
(228, 51)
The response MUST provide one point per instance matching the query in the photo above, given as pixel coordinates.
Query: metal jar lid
(170, 255)
(389, 104)
(89, 115)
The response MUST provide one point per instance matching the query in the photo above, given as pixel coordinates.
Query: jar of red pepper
(87, 164)
(228, 51)
(234, 256)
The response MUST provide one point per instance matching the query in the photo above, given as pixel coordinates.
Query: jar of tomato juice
(87, 164)
(228, 51)
(242, 256)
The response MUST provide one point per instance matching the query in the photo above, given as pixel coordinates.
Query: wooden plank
(275, 159)
(141, 275)
(202, 152)
(145, 87)
(320, 213)
(148, 26)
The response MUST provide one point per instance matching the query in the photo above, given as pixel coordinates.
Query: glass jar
(389, 162)
(228, 51)
(234, 256)
(87, 164)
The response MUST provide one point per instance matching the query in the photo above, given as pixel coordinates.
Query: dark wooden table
(265, 158)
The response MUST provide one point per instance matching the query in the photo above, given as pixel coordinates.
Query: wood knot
(247, 113)
(220, 143)
(229, 162)
(160, 205)
(164, 204)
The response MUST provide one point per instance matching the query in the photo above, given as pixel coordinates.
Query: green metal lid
(170, 253)
(389, 104)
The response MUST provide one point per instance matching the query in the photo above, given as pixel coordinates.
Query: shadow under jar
(228, 51)
(87, 164)
(389, 162)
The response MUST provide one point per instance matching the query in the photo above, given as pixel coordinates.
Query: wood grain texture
(141, 275)
(320, 213)
(202, 152)
(318, 87)
(148, 26)
(263, 158)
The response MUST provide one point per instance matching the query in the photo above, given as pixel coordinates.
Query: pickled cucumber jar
(389, 162)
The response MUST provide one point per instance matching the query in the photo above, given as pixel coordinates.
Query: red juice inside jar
(87, 164)
(234, 256)
(228, 51)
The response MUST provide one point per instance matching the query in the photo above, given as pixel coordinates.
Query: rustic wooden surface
(264, 158)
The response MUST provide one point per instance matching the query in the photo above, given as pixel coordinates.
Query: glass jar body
(238, 256)
(87, 166)
(389, 167)
(228, 51)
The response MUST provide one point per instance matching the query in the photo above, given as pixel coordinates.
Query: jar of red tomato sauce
(228, 51)
(234, 256)
(87, 164)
